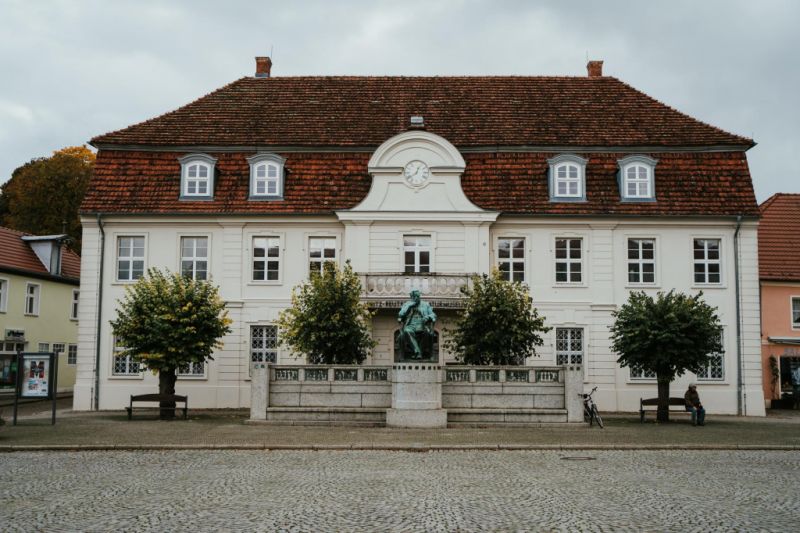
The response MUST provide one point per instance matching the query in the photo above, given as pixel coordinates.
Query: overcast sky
(70, 70)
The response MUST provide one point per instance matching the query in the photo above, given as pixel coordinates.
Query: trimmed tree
(166, 322)
(327, 322)
(499, 325)
(666, 335)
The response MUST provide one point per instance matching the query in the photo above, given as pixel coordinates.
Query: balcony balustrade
(391, 289)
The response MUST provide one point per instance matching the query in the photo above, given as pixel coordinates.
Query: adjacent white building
(582, 188)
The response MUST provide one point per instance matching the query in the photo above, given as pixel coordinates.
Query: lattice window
(642, 374)
(321, 250)
(568, 180)
(706, 261)
(73, 310)
(130, 258)
(569, 263)
(569, 346)
(198, 179)
(266, 258)
(715, 369)
(72, 354)
(266, 179)
(192, 370)
(59, 347)
(32, 291)
(264, 344)
(124, 365)
(795, 313)
(194, 257)
(637, 181)
(641, 261)
(511, 259)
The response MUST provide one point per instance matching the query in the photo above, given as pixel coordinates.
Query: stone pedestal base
(416, 396)
(416, 418)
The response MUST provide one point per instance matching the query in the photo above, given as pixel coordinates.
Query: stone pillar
(416, 396)
(573, 391)
(259, 391)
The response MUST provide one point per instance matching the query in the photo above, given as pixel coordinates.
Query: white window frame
(194, 258)
(32, 300)
(516, 265)
(72, 354)
(43, 347)
(322, 259)
(572, 356)
(642, 375)
(266, 259)
(566, 161)
(706, 262)
(266, 161)
(795, 322)
(263, 354)
(191, 374)
(640, 261)
(417, 249)
(5, 285)
(73, 306)
(129, 363)
(721, 355)
(199, 161)
(641, 163)
(569, 261)
(131, 258)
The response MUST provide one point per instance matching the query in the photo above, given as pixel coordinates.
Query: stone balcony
(389, 290)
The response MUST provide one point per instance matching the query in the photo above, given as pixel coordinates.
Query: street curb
(394, 447)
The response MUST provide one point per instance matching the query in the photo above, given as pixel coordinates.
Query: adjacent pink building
(779, 267)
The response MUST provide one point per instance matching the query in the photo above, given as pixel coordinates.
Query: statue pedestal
(416, 396)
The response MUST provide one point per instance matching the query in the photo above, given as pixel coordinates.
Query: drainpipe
(99, 314)
(740, 403)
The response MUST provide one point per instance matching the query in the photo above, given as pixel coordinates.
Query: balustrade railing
(398, 285)
(323, 373)
(504, 374)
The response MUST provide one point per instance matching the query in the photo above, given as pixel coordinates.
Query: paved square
(400, 491)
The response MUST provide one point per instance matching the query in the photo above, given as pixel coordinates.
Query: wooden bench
(149, 398)
(653, 402)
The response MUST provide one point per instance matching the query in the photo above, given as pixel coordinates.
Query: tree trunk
(662, 414)
(166, 385)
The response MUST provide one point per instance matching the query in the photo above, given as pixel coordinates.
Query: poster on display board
(36, 379)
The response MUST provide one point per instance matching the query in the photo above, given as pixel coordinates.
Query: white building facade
(422, 217)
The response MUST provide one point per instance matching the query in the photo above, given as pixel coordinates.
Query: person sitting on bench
(694, 406)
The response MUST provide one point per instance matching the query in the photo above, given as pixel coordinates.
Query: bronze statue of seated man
(416, 332)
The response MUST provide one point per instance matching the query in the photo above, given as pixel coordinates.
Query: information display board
(37, 379)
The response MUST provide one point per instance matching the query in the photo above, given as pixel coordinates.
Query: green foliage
(667, 335)
(44, 195)
(167, 320)
(499, 325)
(327, 321)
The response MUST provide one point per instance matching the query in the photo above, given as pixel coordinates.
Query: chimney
(263, 67)
(595, 69)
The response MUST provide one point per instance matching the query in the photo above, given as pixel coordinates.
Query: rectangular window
(72, 354)
(715, 369)
(321, 250)
(130, 258)
(73, 309)
(192, 370)
(417, 253)
(32, 291)
(3, 295)
(569, 264)
(642, 374)
(44, 346)
(124, 365)
(58, 347)
(641, 261)
(194, 257)
(264, 344)
(511, 259)
(266, 258)
(706, 261)
(795, 312)
(569, 346)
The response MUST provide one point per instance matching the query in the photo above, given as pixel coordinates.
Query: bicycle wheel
(587, 415)
(596, 416)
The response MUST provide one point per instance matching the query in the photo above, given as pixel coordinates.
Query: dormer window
(567, 178)
(197, 177)
(266, 177)
(637, 181)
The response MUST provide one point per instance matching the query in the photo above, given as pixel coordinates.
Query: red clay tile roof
(467, 111)
(779, 238)
(693, 183)
(16, 254)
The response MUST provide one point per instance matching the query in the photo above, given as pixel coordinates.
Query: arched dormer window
(567, 178)
(637, 178)
(266, 176)
(197, 177)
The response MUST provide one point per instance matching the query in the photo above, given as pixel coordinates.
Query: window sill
(712, 381)
(127, 378)
(636, 200)
(31, 315)
(265, 198)
(709, 286)
(570, 285)
(643, 286)
(567, 199)
(265, 283)
(203, 198)
(192, 378)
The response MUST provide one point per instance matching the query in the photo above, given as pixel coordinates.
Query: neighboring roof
(486, 111)
(779, 238)
(690, 183)
(17, 256)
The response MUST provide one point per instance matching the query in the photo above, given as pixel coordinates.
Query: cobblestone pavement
(399, 491)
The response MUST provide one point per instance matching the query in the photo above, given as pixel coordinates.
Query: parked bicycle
(590, 412)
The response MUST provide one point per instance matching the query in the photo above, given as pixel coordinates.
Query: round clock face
(416, 173)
